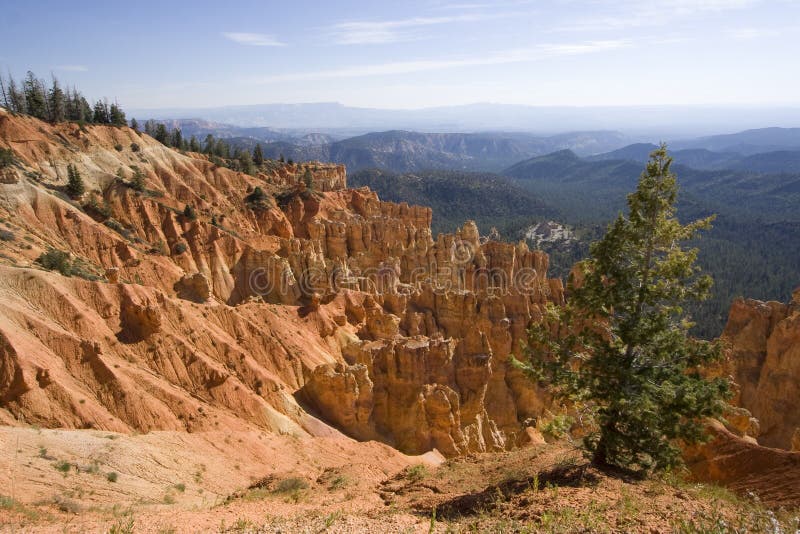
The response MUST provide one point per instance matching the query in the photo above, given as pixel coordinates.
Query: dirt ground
(160, 482)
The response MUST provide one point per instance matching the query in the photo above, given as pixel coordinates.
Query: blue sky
(410, 54)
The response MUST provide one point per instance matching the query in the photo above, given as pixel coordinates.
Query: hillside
(490, 200)
(285, 343)
(780, 161)
(751, 250)
(408, 151)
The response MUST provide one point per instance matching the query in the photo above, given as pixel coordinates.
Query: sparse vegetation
(112, 476)
(417, 472)
(189, 213)
(6, 157)
(6, 235)
(56, 260)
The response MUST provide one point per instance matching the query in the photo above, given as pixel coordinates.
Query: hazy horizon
(413, 56)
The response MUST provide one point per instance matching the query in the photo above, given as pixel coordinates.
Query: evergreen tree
(245, 162)
(57, 107)
(176, 139)
(75, 187)
(194, 145)
(116, 116)
(101, 113)
(36, 103)
(134, 125)
(16, 97)
(308, 179)
(208, 147)
(620, 346)
(258, 155)
(281, 158)
(162, 134)
(150, 127)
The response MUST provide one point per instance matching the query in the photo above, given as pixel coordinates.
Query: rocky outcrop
(322, 292)
(764, 360)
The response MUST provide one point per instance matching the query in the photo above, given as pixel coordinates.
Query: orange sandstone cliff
(305, 312)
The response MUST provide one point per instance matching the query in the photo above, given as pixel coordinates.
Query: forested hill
(752, 249)
(455, 196)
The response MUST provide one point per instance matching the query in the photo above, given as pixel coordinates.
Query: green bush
(180, 248)
(112, 476)
(6, 157)
(6, 235)
(135, 147)
(56, 260)
(118, 147)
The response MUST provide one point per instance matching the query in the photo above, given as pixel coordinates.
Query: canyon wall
(312, 310)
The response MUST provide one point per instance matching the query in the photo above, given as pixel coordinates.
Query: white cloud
(518, 55)
(72, 68)
(637, 13)
(392, 31)
(252, 39)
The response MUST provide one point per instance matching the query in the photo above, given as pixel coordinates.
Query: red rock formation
(764, 359)
(218, 321)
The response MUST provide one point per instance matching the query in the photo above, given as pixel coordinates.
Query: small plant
(56, 260)
(180, 248)
(415, 473)
(288, 485)
(63, 466)
(112, 476)
(42, 452)
(123, 526)
(5, 235)
(558, 426)
(118, 147)
(135, 147)
(189, 213)
(339, 482)
(180, 486)
(137, 182)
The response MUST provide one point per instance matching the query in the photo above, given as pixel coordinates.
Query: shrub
(5, 235)
(189, 213)
(135, 147)
(137, 181)
(112, 476)
(56, 260)
(6, 157)
(415, 473)
(63, 466)
(180, 248)
(290, 485)
(118, 147)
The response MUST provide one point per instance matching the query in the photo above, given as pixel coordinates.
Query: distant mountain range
(656, 122)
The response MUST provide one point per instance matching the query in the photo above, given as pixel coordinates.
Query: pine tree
(57, 107)
(176, 139)
(75, 187)
(245, 161)
(258, 155)
(36, 103)
(620, 346)
(308, 179)
(117, 116)
(162, 134)
(134, 125)
(101, 113)
(208, 147)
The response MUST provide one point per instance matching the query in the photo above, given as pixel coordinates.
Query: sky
(412, 54)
